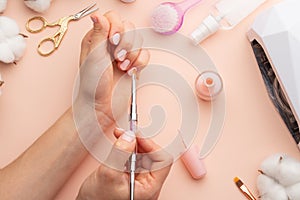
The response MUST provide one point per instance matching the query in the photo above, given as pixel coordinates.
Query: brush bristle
(238, 182)
(165, 19)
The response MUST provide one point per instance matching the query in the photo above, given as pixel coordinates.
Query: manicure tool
(63, 27)
(133, 127)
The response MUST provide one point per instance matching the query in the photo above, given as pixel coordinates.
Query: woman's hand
(109, 47)
(107, 183)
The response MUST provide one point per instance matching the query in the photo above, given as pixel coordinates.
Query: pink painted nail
(124, 65)
(121, 55)
(130, 72)
(128, 136)
(120, 129)
(94, 19)
(116, 38)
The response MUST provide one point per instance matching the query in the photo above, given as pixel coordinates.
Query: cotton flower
(279, 178)
(12, 44)
(38, 5)
(2, 5)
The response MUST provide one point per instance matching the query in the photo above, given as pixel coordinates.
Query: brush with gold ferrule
(243, 188)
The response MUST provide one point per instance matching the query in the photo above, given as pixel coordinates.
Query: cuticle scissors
(62, 23)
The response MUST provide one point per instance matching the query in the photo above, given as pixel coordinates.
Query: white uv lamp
(275, 39)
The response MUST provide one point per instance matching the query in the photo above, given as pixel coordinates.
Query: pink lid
(193, 163)
(208, 85)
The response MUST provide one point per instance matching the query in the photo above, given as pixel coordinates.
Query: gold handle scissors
(62, 23)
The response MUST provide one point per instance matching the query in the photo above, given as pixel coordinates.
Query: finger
(118, 132)
(121, 151)
(161, 160)
(126, 43)
(116, 27)
(142, 60)
(96, 35)
(133, 52)
(147, 145)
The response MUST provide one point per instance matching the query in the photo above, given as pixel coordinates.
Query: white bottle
(225, 15)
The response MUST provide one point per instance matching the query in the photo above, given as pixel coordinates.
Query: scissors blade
(89, 12)
(86, 11)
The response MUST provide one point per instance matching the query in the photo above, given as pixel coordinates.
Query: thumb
(97, 35)
(101, 26)
(121, 151)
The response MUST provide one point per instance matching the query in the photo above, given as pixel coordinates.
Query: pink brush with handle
(167, 18)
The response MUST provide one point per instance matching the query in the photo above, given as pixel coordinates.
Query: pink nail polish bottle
(208, 85)
(193, 163)
(191, 160)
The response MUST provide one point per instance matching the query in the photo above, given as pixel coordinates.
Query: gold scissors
(58, 36)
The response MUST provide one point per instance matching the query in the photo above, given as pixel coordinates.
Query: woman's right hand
(152, 169)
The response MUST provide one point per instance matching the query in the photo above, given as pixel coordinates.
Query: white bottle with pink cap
(208, 85)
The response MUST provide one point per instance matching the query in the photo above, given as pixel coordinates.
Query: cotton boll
(289, 171)
(270, 189)
(6, 55)
(280, 178)
(277, 193)
(12, 44)
(8, 26)
(270, 166)
(38, 5)
(294, 191)
(17, 45)
(2, 5)
(264, 183)
(2, 36)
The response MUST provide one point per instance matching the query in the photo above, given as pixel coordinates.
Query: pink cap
(208, 85)
(193, 163)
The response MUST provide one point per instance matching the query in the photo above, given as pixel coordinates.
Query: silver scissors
(62, 23)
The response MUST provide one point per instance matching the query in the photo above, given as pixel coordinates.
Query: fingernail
(116, 38)
(94, 19)
(121, 55)
(124, 65)
(120, 129)
(128, 136)
(130, 72)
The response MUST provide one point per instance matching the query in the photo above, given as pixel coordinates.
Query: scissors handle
(40, 23)
(47, 46)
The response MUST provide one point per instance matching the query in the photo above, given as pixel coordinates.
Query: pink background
(39, 89)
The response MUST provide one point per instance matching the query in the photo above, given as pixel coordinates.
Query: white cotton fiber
(38, 5)
(270, 166)
(270, 189)
(289, 171)
(294, 191)
(6, 55)
(2, 5)
(280, 178)
(17, 45)
(12, 44)
(8, 26)
(2, 36)
(264, 182)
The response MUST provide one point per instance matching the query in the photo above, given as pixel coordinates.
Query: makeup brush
(243, 188)
(167, 18)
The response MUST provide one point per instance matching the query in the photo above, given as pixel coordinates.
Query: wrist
(88, 119)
